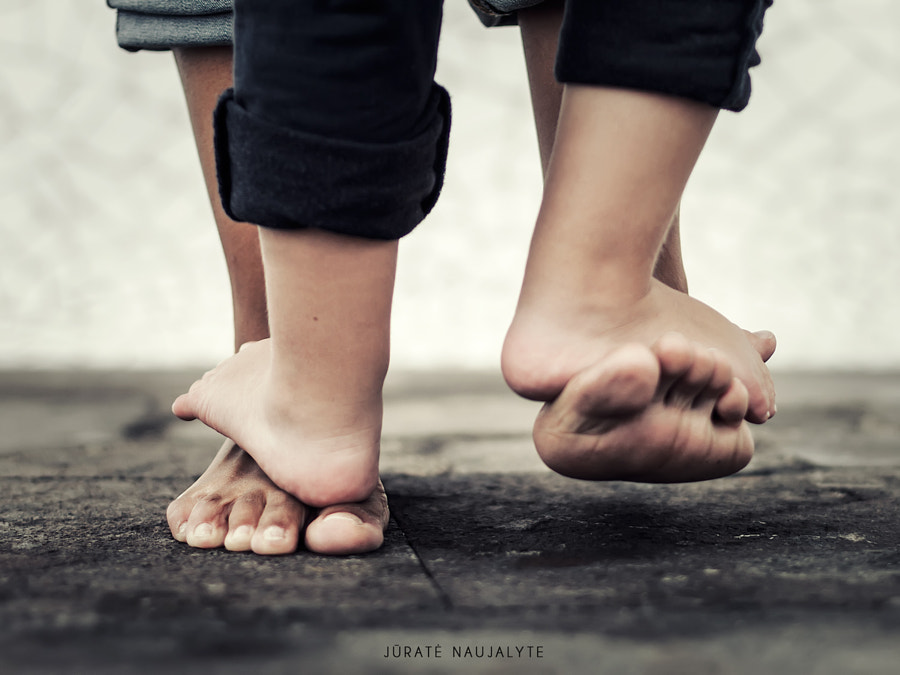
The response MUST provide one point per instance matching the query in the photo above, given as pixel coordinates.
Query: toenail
(343, 516)
(182, 529)
(243, 532)
(274, 532)
(203, 531)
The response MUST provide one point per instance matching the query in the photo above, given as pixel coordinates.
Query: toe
(686, 389)
(278, 529)
(675, 352)
(623, 382)
(189, 406)
(183, 407)
(242, 522)
(763, 342)
(676, 356)
(350, 528)
(719, 381)
(762, 395)
(206, 525)
(594, 402)
(731, 406)
(761, 402)
(177, 515)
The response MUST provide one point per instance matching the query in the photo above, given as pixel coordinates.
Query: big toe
(184, 407)
(346, 529)
(622, 383)
(763, 342)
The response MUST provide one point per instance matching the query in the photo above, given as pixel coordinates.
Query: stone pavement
(492, 564)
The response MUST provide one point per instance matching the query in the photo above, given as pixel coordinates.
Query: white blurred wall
(108, 255)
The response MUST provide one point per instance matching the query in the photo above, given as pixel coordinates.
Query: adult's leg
(307, 403)
(234, 504)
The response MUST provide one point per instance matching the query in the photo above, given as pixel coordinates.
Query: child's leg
(307, 403)
(656, 409)
(539, 26)
(540, 29)
(234, 504)
(313, 140)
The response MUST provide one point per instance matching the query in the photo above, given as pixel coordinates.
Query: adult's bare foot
(235, 505)
(344, 529)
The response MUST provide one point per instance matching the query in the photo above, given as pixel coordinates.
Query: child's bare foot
(322, 449)
(235, 505)
(669, 413)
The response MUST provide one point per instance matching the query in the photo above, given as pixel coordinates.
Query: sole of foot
(672, 412)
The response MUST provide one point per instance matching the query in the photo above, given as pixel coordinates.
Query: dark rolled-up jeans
(335, 121)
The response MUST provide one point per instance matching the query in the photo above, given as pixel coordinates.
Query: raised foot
(235, 505)
(552, 340)
(317, 442)
(669, 413)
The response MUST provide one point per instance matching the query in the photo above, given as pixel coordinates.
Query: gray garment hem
(173, 7)
(155, 32)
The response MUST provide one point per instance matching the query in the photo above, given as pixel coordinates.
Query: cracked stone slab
(82, 560)
(545, 549)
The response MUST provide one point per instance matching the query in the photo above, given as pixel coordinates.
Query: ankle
(554, 336)
(303, 393)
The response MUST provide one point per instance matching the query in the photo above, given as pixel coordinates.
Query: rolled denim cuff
(697, 49)
(158, 25)
(283, 178)
(500, 12)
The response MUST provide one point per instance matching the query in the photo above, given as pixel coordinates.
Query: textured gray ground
(793, 566)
